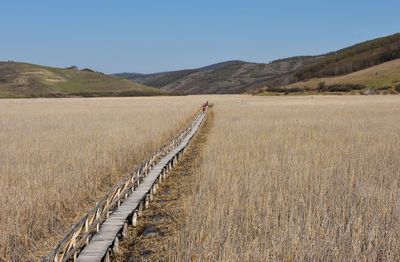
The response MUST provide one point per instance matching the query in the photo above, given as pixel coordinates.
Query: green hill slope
(28, 80)
(353, 58)
(383, 78)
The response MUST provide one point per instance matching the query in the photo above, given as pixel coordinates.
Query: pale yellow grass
(59, 156)
(296, 179)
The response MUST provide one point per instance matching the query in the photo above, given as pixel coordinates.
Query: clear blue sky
(151, 36)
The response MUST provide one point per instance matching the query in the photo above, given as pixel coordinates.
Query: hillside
(28, 80)
(149, 78)
(383, 78)
(140, 78)
(244, 77)
(353, 58)
(226, 77)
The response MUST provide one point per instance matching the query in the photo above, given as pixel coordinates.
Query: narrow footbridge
(97, 234)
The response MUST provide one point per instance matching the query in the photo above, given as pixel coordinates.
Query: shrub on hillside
(321, 86)
(344, 87)
(284, 90)
(384, 88)
(294, 90)
(276, 89)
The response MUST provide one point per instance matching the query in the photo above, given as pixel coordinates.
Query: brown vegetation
(159, 225)
(282, 178)
(296, 179)
(59, 156)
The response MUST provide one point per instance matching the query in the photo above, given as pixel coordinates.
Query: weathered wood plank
(101, 242)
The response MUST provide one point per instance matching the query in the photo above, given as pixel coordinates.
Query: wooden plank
(104, 238)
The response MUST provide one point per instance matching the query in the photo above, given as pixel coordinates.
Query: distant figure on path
(204, 109)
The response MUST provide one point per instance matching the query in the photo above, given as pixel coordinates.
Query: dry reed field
(59, 156)
(296, 179)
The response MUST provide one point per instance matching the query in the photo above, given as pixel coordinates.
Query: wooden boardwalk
(104, 240)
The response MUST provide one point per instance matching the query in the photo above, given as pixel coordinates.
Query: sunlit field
(280, 178)
(59, 156)
(296, 179)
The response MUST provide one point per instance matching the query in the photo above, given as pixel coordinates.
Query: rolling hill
(353, 58)
(226, 77)
(382, 78)
(29, 80)
(244, 77)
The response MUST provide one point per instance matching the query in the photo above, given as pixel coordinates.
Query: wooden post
(86, 230)
(147, 201)
(152, 193)
(107, 205)
(134, 218)
(73, 246)
(133, 183)
(107, 256)
(116, 245)
(140, 211)
(97, 217)
(118, 194)
(125, 230)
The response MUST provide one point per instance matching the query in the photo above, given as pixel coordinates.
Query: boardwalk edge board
(97, 234)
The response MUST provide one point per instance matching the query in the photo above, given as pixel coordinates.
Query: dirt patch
(158, 226)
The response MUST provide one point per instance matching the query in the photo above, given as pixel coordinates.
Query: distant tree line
(353, 59)
(74, 67)
(339, 87)
(284, 90)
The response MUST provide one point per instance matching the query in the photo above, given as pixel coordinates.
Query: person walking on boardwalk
(204, 109)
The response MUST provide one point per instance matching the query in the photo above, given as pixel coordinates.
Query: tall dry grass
(296, 179)
(59, 156)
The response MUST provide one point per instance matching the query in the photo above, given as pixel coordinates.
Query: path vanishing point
(97, 234)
